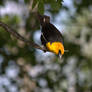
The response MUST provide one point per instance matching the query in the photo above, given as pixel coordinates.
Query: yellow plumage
(55, 47)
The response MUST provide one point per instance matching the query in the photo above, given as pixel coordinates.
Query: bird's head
(43, 19)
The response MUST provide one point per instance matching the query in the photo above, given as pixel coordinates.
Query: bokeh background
(26, 69)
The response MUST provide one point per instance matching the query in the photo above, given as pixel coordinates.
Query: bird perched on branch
(51, 37)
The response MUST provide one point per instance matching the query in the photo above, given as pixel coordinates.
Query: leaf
(41, 6)
(34, 3)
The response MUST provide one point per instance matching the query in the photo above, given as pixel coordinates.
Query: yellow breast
(55, 47)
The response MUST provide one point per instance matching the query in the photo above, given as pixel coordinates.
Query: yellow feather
(55, 47)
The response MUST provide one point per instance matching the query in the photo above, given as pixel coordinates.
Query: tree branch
(18, 36)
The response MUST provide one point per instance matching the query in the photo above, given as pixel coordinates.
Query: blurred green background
(25, 69)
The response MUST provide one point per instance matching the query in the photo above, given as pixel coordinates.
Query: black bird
(51, 37)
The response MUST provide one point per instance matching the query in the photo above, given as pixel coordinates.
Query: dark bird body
(51, 37)
(50, 34)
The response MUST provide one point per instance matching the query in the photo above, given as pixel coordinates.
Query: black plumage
(49, 32)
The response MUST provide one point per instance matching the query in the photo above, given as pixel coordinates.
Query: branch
(18, 36)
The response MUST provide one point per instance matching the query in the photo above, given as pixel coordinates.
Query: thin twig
(18, 36)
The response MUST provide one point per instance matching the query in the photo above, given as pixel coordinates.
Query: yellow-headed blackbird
(51, 37)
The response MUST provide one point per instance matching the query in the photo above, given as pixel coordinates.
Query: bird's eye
(59, 52)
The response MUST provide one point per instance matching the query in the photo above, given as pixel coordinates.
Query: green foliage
(82, 4)
(79, 34)
(54, 4)
(1, 2)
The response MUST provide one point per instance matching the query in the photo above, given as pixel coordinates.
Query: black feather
(51, 34)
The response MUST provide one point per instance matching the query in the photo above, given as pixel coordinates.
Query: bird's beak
(60, 56)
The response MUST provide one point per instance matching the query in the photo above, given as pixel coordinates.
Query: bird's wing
(51, 33)
(43, 40)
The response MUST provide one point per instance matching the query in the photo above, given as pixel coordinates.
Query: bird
(51, 37)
